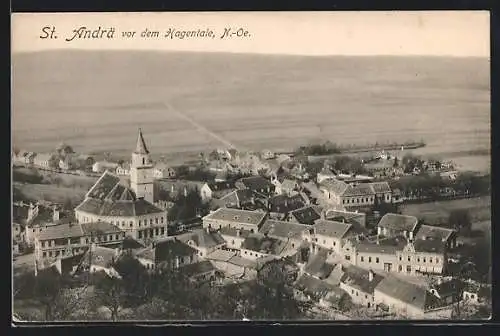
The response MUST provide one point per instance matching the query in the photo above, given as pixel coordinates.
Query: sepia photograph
(251, 166)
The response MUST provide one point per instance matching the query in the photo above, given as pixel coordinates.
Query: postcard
(251, 166)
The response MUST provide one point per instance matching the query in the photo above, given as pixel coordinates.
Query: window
(50, 253)
(123, 223)
(44, 254)
(151, 221)
(324, 241)
(369, 259)
(408, 269)
(366, 297)
(430, 259)
(116, 237)
(245, 252)
(377, 260)
(352, 291)
(418, 259)
(131, 223)
(437, 260)
(162, 230)
(409, 259)
(86, 240)
(140, 234)
(362, 259)
(156, 220)
(347, 257)
(400, 268)
(139, 222)
(334, 243)
(400, 258)
(161, 220)
(357, 293)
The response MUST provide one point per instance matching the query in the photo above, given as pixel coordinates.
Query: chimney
(370, 275)
(55, 214)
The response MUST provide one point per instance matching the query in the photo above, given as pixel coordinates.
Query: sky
(436, 33)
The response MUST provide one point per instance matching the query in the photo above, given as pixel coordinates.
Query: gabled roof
(429, 246)
(306, 215)
(407, 292)
(147, 253)
(313, 286)
(428, 231)
(398, 222)
(386, 246)
(331, 228)
(99, 228)
(380, 187)
(237, 216)
(202, 238)
(104, 186)
(141, 147)
(221, 255)
(358, 277)
(256, 183)
(169, 249)
(262, 244)
(61, 231)
(99, 256)
(335, 186)
(318, 267)
(223, 185)
(198, 268)
(283, 229)
(361, 189)
(284, 204)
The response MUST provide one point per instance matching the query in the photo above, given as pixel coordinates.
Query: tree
(135, 280)
(459, 219)
(110, 293)
(396, 162)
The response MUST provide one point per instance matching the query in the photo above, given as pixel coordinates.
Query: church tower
(141, 171)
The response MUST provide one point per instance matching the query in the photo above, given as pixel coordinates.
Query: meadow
(95, 101)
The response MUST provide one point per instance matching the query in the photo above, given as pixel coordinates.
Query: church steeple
(141, 148)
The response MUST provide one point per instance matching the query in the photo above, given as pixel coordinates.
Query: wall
(233, 242)
(328, 242)
(358, 200)
(369, 260)
(251, 255)
(416, 262)
(358, 296)
(397, 306)
(228, 268)
(217, 224)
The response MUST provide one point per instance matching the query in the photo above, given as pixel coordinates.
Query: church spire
(141, 144)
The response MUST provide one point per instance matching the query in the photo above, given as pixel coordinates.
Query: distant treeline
(328, 148)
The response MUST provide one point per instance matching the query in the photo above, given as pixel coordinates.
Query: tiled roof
(380, 187)
(103, 187)
(225, 185)
(221, 255)
(318, 267)
(100, 256)
(198, 268)
(382, 247)
(398, 222)
(335, 186)
(267, 245)
(282, 229)
(131, 243)
(257, 183)
(237, 216)
(61, 231)
(232, 231)
(361, 189)
(406, 292)
(306, 215)
(427, 231)
(123, 208)
(331, 229)
(241, 196)
(168, 249)
(313, 286)
(359, 278)
(284, 204)
(335, 275)
(429, 246)
(148, 253)
(202, 238)
(242, 262)
(99, 228)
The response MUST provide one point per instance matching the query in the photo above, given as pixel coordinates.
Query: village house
(200, 272)
(131, 209)
(204, 241)
(308, 288)
(216, 190)
(360, 285)
(318, 266)
(60, 240)
(66, 163)
(409, 300)
(235, 218)
(331, 234)
(447, 236)
(392, 225)
(267, 154)
(162, 171)
(325, 174)
(257, 184)
(257, 246)
(233, 237)
(19, 157)
(123, 169)
(99, 259)
(281, 206)
(379, 256)
(237, 199)
(285, 186)
(171, 253)
(146, 257)
(102, 166)
(306, 215)
(232, 265)
(357, 219)
(296, 234)
(30, 159)
(422, 257)
(356, 195)
(448, 292)
(44, 160)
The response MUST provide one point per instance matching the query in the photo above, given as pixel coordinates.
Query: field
(188, 102)
(438, 212)
(51, 192)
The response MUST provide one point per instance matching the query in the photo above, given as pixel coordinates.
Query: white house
(162, 170)
(43, 160)
(101, 166)
(331, 234)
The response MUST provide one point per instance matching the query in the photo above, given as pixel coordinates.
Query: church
(130, 208)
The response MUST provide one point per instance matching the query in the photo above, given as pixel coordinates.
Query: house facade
(234, 218)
